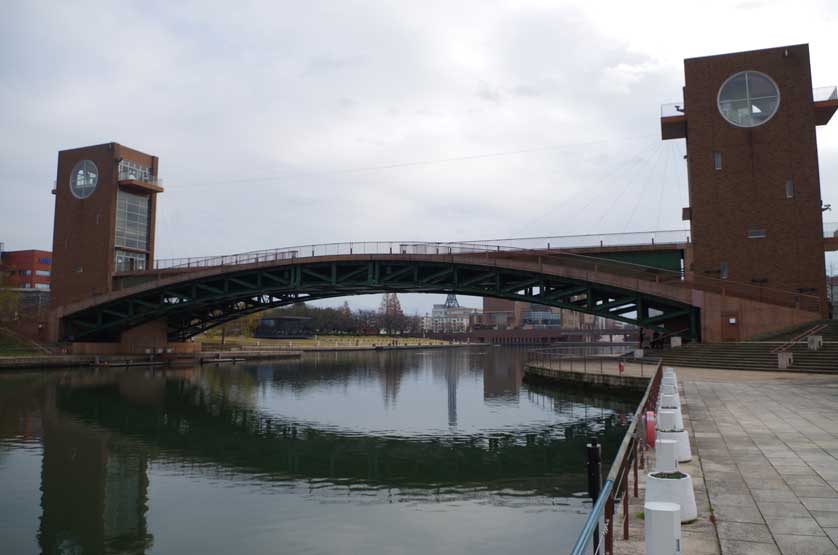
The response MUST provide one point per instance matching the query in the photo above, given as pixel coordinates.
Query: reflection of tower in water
(452, 376)
(95, 490)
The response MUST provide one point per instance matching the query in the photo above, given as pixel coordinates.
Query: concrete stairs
(757, 355)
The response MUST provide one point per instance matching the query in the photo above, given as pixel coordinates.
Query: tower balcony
(825, 100)
(674, 114)
(140, 181)
(673, 121)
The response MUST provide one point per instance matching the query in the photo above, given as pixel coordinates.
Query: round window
(748, 99)
(83, 179)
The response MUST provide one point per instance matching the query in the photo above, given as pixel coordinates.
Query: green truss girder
(202, 303)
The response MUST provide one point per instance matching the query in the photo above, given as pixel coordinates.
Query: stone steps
(757, 355)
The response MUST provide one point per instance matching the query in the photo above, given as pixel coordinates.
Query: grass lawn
(11, 346)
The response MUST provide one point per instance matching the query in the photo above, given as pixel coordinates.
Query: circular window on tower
(748, 99)
(83, 179)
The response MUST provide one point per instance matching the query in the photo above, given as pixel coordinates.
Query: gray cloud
(278, 123)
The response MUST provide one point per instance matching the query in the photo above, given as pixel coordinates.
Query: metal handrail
(630, 454)
(594, 521)
(581, 261)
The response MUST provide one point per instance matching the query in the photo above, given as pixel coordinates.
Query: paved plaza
(768, 448)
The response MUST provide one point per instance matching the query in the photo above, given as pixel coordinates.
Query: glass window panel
(751, 106)
(760, 85)
(737, 112)
(735, 88)
(132, 220)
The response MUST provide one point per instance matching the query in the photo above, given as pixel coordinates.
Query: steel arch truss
(195, 305)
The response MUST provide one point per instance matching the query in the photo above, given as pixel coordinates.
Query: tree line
(343, 320)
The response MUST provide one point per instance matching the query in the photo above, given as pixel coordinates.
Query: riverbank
(600, 372)
(32, 362)
(236, 353)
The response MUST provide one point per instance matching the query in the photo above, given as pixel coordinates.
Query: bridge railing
(543, 252)
(635, 238)
(426, 247)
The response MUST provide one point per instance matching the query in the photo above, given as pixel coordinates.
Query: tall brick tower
(105, 204)
(755, 209)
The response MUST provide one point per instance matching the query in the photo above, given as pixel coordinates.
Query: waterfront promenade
(768, 446)
(765, 462)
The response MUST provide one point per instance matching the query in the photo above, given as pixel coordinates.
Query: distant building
(501, 314)
(450, 317)
(30, 269)
(427, 323)
(832, 295)
(541, 317)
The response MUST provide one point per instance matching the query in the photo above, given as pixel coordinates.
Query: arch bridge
(182, 298)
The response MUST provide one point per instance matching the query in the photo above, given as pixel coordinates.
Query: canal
(413, 452)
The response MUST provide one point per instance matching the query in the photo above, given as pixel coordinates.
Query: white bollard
(665, 455)
(678, 423)
(666, 420)
(666, 428)
(662, 524)
(670, 401)
(675, 487)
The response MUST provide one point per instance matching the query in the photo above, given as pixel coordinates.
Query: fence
(597, 534)
(561, 359)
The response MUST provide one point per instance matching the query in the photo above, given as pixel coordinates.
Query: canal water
(413, 452)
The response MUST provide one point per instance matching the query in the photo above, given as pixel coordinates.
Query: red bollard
(650, 429)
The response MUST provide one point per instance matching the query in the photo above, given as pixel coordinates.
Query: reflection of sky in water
(20, 500)
(426, 398)
(298, 521)
(331, 454)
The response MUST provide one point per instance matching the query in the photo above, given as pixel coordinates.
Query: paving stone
(777, 494)
(782, 508)
(795, 526)
(734, 513)
(805, 545)
(744, 531)
(699, 544)
(738, 499)
(814, 491)
(833, 534)
(820, 503)
(733, 547)
(827, 519)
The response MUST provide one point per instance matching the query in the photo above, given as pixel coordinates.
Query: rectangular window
(717, 160)
(24, 272)
(46, 261)
(757, 234)
(723, 270)
(42, 286)
(789, 188)
(132, 219)
(129, 261)
(42, 273)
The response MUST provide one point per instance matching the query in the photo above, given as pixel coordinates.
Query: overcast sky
(293, 123)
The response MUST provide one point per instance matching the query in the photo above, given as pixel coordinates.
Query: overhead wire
(664, 183)
(382, 167)
(593, 191)
(643, 163)
(651, 168)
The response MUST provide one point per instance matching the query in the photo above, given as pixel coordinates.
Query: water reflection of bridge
(100, 432)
